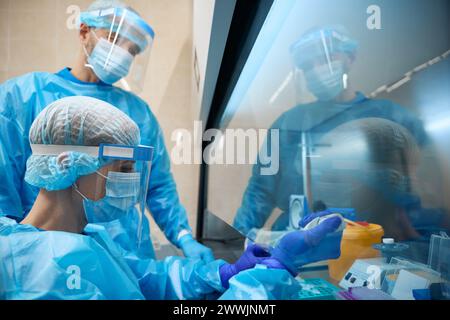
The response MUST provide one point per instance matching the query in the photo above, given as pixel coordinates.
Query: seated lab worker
(323, 58)
(90, 168)
(114, 49)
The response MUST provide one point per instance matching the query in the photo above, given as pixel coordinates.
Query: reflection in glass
(325, 57)
(363, 124)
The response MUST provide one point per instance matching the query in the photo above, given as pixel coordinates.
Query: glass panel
(347, 103)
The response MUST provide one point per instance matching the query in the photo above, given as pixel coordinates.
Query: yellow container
(356, 244)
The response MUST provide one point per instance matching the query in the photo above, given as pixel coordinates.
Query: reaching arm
(162, 198)
(16, 196)
(258, 201)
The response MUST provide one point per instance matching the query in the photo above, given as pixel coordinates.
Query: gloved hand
(298, 248)
(254, 254)
(310, 217)
(195, 250)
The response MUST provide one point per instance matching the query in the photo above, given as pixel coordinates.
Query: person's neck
(57, 211)
(83, 73)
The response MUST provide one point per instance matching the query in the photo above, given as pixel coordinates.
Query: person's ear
(104, 170)
(84, 34)
(92, 186)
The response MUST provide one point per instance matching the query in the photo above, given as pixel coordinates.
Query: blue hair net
(314, 42)
(78, 121)
(100, 13)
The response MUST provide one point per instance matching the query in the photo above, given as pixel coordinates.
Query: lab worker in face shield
(322, 58)
(88, 164)
(115, 44)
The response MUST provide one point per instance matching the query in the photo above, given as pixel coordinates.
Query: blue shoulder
(20, 91)
(290, 118)
(142, 114)
(137, 105)
(26, 79)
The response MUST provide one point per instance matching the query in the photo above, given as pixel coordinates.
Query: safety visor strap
(56, 150)
(108, 151)
(131, 17)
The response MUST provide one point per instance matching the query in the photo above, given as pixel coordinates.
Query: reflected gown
(264, 193)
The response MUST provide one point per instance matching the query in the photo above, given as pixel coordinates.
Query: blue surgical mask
(109, 62)
(122, 189)
(122, 194)
(326, 82)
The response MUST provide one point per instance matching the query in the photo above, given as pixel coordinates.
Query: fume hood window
(347, 105)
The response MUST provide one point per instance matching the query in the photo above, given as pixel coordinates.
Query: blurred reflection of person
(377, 178)
(325, 57)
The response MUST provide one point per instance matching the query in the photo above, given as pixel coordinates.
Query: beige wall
(34, 37)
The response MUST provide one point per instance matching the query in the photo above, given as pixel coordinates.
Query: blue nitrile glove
(310, 217)
(298, 248)
(253, 255)
(193, 249)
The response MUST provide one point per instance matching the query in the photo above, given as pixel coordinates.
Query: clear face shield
(122, 50)
(319, 66)
(114, 186)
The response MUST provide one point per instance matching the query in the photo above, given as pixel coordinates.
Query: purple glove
(298, 248)
(254, 254)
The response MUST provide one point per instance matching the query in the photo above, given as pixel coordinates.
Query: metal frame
(248, 18)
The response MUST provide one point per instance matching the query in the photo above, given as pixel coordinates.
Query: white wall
(202, 25)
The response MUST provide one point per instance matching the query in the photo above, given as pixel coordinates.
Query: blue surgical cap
(99, 15)
(319, 41)
(77, 121)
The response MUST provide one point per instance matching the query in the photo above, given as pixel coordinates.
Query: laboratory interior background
(231, 64)
(169, 84)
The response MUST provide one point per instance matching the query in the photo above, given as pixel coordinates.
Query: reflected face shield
(318, 56)
(122, 52)
(117, 189)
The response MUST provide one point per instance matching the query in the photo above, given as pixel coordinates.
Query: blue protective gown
(261, 283)
(37, 264)
(21, 100)
(265, 193)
